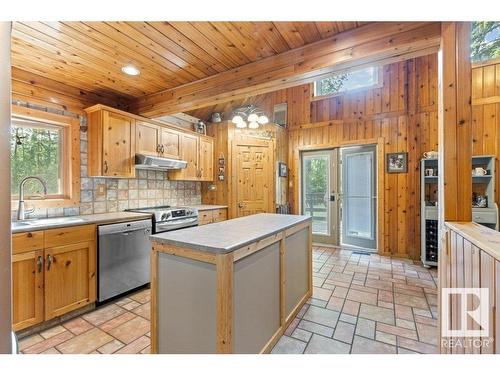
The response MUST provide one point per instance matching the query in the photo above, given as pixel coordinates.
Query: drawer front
(205, 216)
(27, 241)
(220, 215)
(66, 236)
(485, 217)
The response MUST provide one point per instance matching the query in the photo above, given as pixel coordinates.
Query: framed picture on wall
(397, 162)
(282, 170)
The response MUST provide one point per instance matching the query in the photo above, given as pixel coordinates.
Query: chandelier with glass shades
(249, 115)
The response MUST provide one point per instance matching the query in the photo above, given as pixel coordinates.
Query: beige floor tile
(335, 303)
(344, 332)
(398, 331)
(142, 297)
(51, 332)
(301, 335)
(111, 347)
(409, 300)
(135, 346)
(425, 320)
(417, 346)
(385, 338)
(362, 345)
(379, 314)
(289, 345)
(131, 330)
(115, 322)
(322, 316)
(49, 343)
(146, 350)
(362, 297)
(143, 310)
(351, 308)
(323, 345)
(51, 351)
(29, 341)
(403, 312)
(427, 334)
(85, 343)
(103, 314)
(365, 328)
(131, 305)
(78, 326)
(315, 328)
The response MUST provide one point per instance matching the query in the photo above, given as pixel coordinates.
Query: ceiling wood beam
(371, 43)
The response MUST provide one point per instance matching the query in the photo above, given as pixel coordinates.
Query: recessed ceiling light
(131, 70)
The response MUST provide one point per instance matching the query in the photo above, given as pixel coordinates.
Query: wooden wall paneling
(455, 128)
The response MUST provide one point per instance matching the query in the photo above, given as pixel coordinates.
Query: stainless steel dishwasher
(123, 257)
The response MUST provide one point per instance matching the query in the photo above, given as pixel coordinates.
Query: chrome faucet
(21, 210)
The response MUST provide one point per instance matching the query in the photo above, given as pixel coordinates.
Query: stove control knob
(165, 216)
(189, 212)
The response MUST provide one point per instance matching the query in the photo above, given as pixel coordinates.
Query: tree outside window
(485, 41)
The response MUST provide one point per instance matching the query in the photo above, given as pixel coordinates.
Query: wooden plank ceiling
(90, 55)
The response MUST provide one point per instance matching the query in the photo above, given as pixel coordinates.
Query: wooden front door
(254, 179)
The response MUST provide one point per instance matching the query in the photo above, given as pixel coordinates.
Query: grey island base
(229, 287)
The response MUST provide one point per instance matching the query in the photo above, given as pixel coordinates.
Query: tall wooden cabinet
(57, 277)
(111, 146)
(198, 151)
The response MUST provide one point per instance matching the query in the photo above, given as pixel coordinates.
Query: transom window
(37, 149)
(348, 81)
(485, 41)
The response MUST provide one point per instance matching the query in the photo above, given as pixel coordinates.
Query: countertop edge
(131, 216)
(217, 250)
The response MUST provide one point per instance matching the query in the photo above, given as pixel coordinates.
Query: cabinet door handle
(49, 262)
(39, 263)
(158, 149)
(105, 166)
(162, 149)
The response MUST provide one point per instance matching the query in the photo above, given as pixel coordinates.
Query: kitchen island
(229, 287)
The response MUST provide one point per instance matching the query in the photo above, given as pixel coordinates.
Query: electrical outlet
(101, 189)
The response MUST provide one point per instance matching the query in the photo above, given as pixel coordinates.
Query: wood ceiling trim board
(48, 67)
(132, 57)
(307, 31)
(123, 42)
(95, 57)
(281, 64)
(155, 47)
(327, 29)
(210, 30)
(252, 39)
(79, 61)
(187, 44)
(290, 33)
(156, 35)
(270, 33)
(376, 51)
(202, 41)
(91, 97)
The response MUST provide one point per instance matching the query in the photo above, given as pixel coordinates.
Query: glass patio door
(319, 194)
(359, 197)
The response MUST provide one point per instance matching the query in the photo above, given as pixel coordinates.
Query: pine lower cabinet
(56, 278)
(27, 289)
(70, 281)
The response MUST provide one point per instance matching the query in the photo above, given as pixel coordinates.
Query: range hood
(158, 163)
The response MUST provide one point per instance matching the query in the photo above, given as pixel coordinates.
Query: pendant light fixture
(249, 115)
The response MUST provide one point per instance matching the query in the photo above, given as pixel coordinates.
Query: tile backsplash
(99, 195)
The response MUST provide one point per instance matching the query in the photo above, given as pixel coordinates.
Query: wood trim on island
(223, 265)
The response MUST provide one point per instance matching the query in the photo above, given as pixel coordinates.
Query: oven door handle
(176, 223)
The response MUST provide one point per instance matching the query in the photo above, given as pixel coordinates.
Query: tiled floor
(361, 304)
(119, 327)
(365, 304)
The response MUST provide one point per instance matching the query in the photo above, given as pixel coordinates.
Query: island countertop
(230, 235)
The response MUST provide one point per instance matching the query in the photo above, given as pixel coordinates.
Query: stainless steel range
(167, 218)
